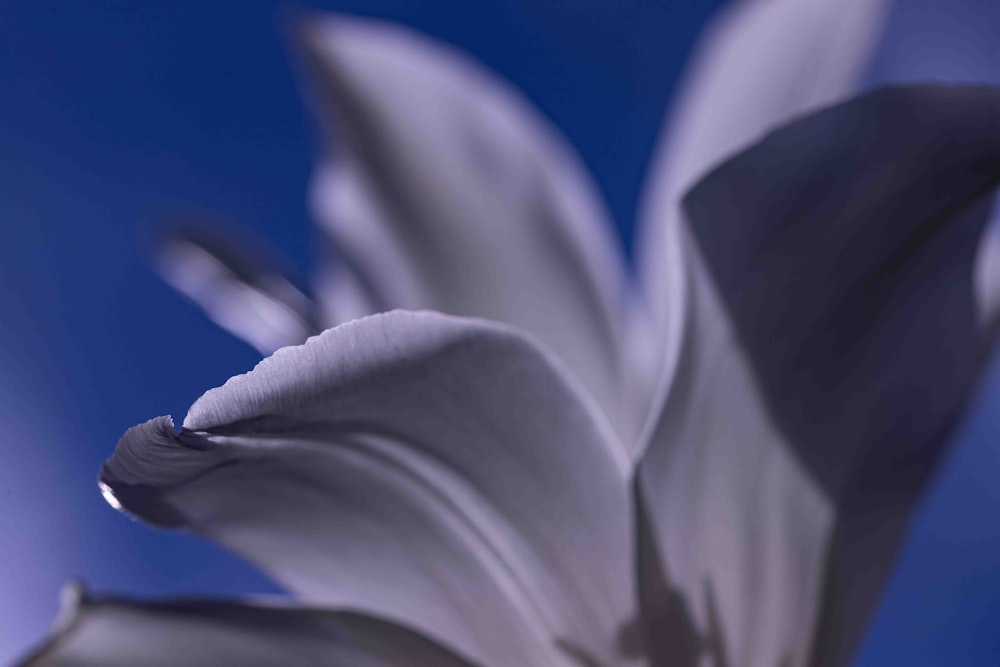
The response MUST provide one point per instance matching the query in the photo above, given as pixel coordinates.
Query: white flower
(555, 472)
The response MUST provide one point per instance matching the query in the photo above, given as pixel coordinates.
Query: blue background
(115, 117)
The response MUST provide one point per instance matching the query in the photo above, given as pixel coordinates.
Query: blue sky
(116, 117)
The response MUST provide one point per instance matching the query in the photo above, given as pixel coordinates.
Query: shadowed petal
(929, 42)
(438, 471)
(448, 191)
(759, 63)
(832, 338)
(238, 289)
(112, 632)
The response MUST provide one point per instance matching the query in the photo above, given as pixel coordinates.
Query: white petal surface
(832, 338)
(448, 191)
(434, 470)
(111, 632)
(758, 64)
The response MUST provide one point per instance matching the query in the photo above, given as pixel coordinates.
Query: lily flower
(523, 464)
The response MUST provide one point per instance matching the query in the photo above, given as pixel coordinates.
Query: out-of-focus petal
(759, 63)
(113, 632)
(831, 342)
(448, 191)
(433, 470)
(986, 276)
(931, 42)
(925, 41)
(240, 290)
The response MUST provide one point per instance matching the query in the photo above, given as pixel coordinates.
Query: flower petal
(759, 63)
(438, 471)
(831, 343)
(928, 42)
(110, 632)
(238, 289)
(448, 191)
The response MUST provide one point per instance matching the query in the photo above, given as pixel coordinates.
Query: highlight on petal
(446, 190)
(986, 275)
(832, 339)
(238, 289)
(758, 64)
(437, 471)
(115, 632)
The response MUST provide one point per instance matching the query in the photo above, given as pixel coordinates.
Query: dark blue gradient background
(115, 116)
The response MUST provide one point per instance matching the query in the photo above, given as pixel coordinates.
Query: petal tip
(149, 459)
(72, 599)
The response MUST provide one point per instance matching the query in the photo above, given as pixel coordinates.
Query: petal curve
(833, 338)
(448, 191)
(757, 65)
(435, 470)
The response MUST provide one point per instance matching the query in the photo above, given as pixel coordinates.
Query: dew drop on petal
(109, 495)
